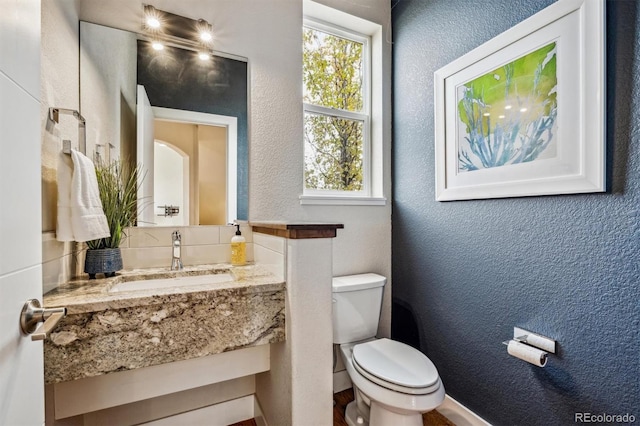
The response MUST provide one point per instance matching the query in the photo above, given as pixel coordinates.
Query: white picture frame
(524, 113)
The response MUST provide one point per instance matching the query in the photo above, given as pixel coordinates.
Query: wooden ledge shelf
(297, 231)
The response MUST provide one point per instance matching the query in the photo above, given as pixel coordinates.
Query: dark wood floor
(432, 418)
(250, 422)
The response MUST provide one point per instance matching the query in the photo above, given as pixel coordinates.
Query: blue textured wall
(466, 272)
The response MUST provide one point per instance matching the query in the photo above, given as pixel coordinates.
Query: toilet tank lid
(357, 282)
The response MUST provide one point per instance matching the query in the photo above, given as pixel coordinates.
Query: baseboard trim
(459, 414)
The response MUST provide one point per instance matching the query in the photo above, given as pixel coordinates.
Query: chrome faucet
(176, 260)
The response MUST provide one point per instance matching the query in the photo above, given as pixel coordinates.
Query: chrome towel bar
(54, 115)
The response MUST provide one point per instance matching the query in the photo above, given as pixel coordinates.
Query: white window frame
(367, 195)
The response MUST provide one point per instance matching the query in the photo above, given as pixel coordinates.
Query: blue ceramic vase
(103, 261)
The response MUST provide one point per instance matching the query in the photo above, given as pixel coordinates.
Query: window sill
(336, 200)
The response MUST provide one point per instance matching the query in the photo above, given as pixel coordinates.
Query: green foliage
(118, 185)
(336, 163)
(332, 77)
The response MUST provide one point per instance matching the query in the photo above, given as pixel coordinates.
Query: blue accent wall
(466, 272)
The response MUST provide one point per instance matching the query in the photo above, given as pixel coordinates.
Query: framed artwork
(524, 113)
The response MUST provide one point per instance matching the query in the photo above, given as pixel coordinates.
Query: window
(336, 96)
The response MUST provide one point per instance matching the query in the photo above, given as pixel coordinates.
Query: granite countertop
(106, 332)
(85, 295)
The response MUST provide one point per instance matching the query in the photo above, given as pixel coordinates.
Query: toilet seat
(399, 401)
(396, 366)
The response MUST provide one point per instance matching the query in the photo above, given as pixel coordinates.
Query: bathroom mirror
(183, 118)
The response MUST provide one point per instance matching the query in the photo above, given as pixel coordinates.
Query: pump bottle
(238, 248)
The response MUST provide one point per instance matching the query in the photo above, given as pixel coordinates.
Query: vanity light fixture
(164, 28)
(205, 30)
(151, 18)
(153, 22)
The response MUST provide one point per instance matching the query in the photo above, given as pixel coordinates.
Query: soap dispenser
(238, 248)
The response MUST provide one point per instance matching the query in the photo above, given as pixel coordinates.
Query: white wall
(21, 379)
(111, 107)
(59, 79)
(60, 76)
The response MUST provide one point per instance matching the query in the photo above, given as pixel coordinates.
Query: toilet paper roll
(533, 339)
(527, 353)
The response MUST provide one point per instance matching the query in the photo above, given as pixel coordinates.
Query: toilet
(393, 383)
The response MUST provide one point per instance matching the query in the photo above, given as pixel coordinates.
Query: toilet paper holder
(530, 347)
(533, 339)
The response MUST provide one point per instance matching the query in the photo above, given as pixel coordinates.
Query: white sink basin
(171, 282)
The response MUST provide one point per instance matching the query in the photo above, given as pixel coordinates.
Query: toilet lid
(396, 363)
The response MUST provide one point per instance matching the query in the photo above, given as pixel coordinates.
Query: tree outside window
(335, 120)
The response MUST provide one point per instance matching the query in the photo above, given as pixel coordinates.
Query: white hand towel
(84, 208)
(87, 217)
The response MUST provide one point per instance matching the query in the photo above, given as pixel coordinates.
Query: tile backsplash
(271, 251)
(150, 247)
(58, 261)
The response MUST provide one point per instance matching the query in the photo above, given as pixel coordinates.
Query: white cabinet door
(145, 136)
(21, 360)
(20, 42)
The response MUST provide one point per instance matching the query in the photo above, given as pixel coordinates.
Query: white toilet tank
(357, 300)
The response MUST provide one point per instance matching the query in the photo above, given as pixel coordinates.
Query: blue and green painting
(508, 116)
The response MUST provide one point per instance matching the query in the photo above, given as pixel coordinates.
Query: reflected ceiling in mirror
(113, 62)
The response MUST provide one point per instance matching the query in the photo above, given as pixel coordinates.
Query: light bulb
(205, 31)
(204, 56)
(152, 17)
(157, 45)
(153, 22)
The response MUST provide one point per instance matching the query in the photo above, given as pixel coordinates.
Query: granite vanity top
(106, 332)
(85, 295)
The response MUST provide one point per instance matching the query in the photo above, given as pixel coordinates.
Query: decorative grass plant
(118, 185)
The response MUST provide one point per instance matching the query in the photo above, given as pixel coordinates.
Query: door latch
(33, 314)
